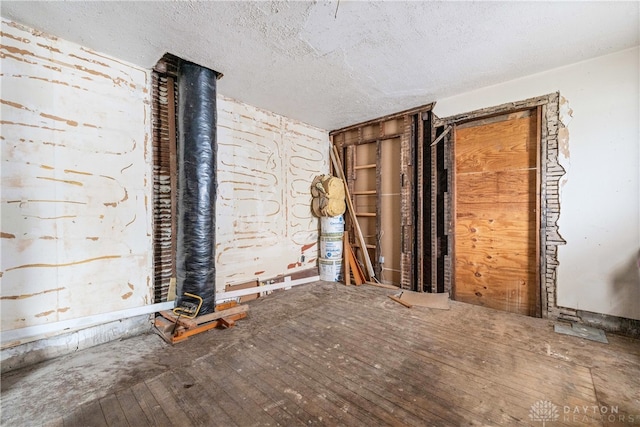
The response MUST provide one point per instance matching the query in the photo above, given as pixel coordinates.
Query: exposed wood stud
(419, 208)
(381, 138)
(434, 214)
(442, 136)
(377, 249)
(421, 109)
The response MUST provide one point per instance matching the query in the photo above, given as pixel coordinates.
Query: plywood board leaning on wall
(496, 207)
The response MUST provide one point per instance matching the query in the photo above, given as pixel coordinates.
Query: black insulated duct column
(196, 183)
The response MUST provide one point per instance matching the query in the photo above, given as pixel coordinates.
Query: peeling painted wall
(266, 163)
(76, 185)
(599, 267)
(76, 181)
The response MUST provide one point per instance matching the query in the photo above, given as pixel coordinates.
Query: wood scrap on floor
(346, 260)
(422, 299)
(352, 267)
(175, 329)
(582, 331)
(426, 299)
(179, 320)
(398, 300)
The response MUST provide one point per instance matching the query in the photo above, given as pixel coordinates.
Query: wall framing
(411, 136)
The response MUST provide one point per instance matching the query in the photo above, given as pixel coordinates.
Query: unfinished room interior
(261, 213)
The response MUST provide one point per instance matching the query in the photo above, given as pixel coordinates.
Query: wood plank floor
(326, 354)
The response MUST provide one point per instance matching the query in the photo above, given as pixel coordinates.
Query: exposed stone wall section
(406, 206)
(550, 238)
(420, 193)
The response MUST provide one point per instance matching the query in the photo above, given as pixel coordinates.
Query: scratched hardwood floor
(326, 354)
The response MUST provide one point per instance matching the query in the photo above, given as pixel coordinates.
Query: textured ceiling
(301, 60)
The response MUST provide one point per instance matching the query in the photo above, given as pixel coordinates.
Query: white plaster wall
(266, 163)
(600, 194)
(76, 187)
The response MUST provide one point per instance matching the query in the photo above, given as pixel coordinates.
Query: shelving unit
(379, 160)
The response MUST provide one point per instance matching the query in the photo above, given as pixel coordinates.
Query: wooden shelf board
(369, 166)
(369, 246)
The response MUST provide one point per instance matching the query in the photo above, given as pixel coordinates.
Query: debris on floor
(582, 331)
(398, 300)
(422, 299)
(174, 328)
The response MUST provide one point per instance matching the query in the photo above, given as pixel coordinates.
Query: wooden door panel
(487, 256)
(493, 279)
(513, 242)
(497, 146)
(497, 187)
(502, 289)
(507, 211)
(514, 221)
(495, 214)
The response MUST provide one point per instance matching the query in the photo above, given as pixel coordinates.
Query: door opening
(496, 176)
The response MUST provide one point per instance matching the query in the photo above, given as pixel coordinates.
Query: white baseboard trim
(32, 333)
(221, 296)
